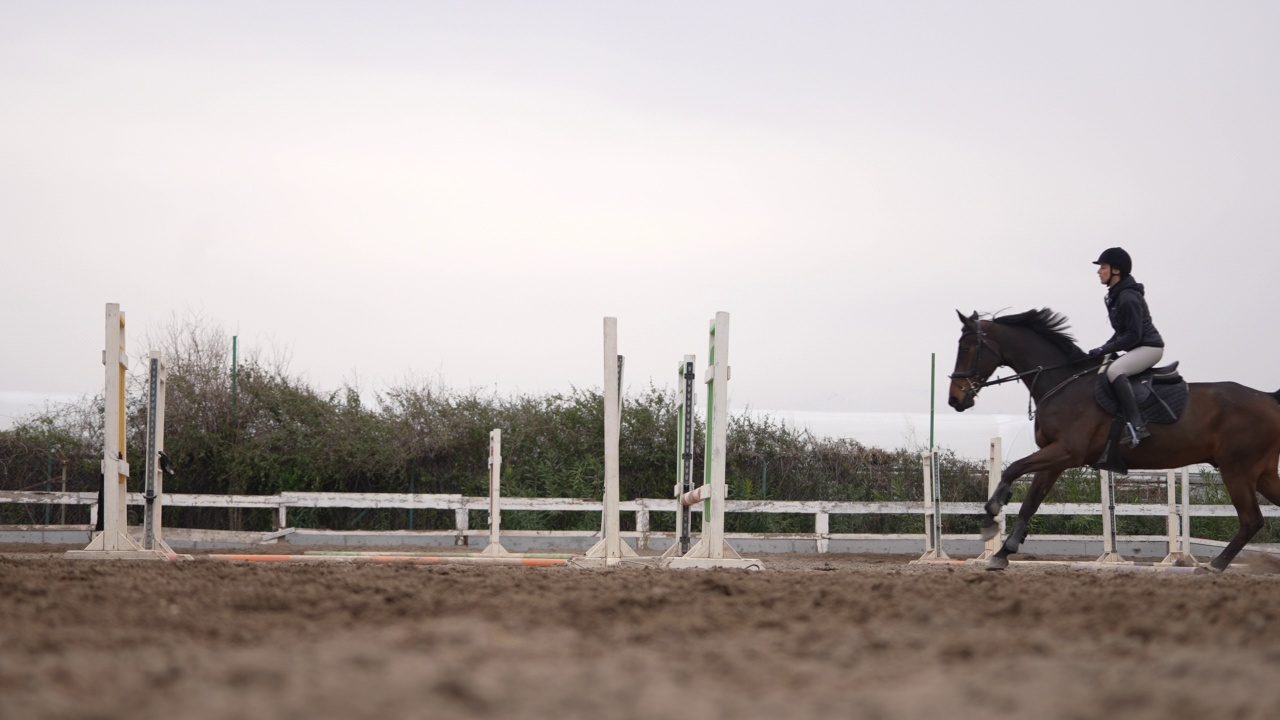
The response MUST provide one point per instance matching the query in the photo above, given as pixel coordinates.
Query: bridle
(976, 384)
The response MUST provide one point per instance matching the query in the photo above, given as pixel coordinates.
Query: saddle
(1162, 397)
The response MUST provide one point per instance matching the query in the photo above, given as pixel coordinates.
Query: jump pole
(711, 550)
(611, 549)
(478, 559)
(114, 542)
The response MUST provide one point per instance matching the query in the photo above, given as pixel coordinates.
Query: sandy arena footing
(811, 637)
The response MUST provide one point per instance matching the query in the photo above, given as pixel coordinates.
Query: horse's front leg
(1051, 457)
(1004, 490)
(1041, 483)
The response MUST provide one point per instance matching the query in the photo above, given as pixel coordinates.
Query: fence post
(462, 523)
(642, 526)
(822, 527)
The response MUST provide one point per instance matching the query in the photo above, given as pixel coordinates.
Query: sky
(461, 191)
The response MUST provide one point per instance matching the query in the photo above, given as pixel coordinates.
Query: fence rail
(821, 510)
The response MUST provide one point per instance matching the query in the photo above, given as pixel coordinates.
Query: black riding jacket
(1130, 318)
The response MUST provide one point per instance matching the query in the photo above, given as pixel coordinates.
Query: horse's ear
(967, 321)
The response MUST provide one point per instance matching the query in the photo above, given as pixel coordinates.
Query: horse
(1225, 424)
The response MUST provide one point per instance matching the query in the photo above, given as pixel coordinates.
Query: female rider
(1135, 335)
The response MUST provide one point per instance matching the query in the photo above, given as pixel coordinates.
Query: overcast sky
(462, 191)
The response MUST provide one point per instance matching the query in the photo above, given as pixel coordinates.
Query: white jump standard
(495, 548)
(611, 550)
(114, 542)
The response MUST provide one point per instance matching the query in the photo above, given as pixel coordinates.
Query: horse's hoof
(997, 563)
(990, 531)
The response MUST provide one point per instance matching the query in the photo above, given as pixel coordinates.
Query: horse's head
(976, 359)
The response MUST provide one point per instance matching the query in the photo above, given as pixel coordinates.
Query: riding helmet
(1117, 258)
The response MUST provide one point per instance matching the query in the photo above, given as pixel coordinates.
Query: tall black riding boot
(1137, 427)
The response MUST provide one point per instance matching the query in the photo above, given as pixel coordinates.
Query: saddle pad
(1160, 403)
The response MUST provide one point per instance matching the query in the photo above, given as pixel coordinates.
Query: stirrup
(1134, 435)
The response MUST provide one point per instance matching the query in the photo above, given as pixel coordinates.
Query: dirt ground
(811, 637)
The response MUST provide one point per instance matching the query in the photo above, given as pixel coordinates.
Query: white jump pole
(611, 549)
(495, 495)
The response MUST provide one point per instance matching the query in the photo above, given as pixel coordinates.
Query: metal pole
(686, 452)
(1111, 508)
(933, 372)
(149, 476)
(48, 482)
(234, 367)
(1186, 512)
(936, 489)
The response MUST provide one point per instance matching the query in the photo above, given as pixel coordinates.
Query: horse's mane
(1046, 323)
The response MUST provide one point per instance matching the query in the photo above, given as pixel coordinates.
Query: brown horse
(1234, 428)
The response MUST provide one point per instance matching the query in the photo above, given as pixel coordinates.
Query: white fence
(821, 511)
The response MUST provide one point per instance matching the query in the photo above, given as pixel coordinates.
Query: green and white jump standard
(711, 550)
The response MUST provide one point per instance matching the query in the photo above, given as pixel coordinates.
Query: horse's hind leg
(1241, 484)
(1269, 484)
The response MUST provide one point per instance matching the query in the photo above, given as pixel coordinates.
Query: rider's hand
(1096, 352)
